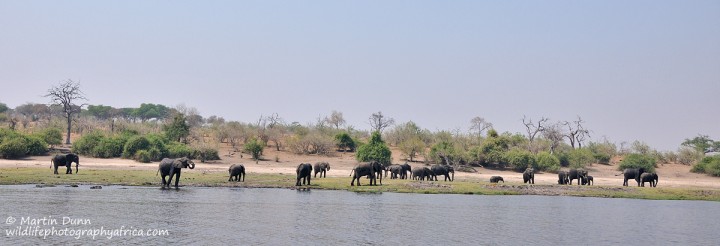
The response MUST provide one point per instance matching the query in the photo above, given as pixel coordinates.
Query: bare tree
(576, 132)
(66, 94)
(479, 124)
(555, 134)
(378, 121)
(336, 119)
(532, 128)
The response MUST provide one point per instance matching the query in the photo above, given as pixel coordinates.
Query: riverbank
(193, 178)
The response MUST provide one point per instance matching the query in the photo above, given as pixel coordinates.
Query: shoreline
(143, 178)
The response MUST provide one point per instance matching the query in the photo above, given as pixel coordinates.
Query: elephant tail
(351, 172)
(158, 171)
(51, 163)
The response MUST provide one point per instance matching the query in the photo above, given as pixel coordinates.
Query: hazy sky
(633, 70)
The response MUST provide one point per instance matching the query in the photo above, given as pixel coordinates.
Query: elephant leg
(69, 170)
(177, 179)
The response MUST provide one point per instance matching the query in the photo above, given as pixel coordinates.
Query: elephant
(529, 175)
(587, 180)
(563, 178)
(406, 169)
(172, 167)
(236, 171)
(322, 168)
(395, 170)
(495, 179)
(651, 178)
(578, 174)
(369, 169)
(442, 170)
(422, 173)
(65, 160)
(304, 172)
(632, 173)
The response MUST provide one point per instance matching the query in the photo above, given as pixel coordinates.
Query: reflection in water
(304, 217)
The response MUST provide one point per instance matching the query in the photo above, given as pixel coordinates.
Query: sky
(632, 70)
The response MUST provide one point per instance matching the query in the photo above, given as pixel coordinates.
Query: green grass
(10, 176)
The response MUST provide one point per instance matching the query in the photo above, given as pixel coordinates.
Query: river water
(223, 216)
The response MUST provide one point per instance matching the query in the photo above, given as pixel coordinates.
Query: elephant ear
(177, 163)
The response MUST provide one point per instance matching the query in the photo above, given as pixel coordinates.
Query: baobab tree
(65, 95)
(378, 122)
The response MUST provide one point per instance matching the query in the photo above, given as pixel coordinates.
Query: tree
(532, 128)
(703, 144)
(178, 129)
(375, 150)
(479, 124)
(101, 112)
(336, 119)
(576, 132)
(344, 142)
(66, 94)
(554, 134)
(378, 122)
(255, 148)
(3, 108)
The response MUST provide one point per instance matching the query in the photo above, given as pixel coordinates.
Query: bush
(35, 145)
(344, 142)
(135, 144)
(86, 143)
(638, 161)
(15, 147)
(255, 148)
(709, 165)
(142, 156)
(547, 162)
(375, 150)
(520, 159)
(109, 148)
(602, 158)
(689, 156)
(178, 150)
(579, 158)
(51, 136)
(205, 154)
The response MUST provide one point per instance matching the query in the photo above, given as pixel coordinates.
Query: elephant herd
(372, 170)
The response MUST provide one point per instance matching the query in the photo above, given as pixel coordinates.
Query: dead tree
(378, 122)
(65, 96)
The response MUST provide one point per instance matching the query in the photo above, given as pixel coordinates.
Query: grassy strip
(9, 176)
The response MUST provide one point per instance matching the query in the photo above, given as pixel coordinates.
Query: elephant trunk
(192, 165)
(77, 164)
(453, 176)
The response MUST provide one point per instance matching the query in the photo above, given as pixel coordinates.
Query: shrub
(52, 136)
(602, 158)
(255, 148)
(709, 165)
(520, 159)
(374, 150)
(638, 161)
(15, 147)
(178, 150)
(86, 143)
(35, 145)
(135, 144)
(579, 158)
(689, 156)
(109, 148)
(343, 141)
(547, 162)
(143, 156)
(205, 154)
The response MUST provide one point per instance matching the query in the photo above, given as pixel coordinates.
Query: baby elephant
(495, 179)
(236, 171)
(587, 180)
(322, 168)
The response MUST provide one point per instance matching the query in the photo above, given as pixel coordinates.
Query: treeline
(153, 131)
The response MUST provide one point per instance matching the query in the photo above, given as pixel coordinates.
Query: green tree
(638, 161)
(374, 150)
(579, 158)
(178, 130)
(547, 162)
(255, 148)
(520, 159)
(3, 108)
(148, 111)
(709, 165)
(344, 142)
(51, 136)
(703, 144)
(101, 112)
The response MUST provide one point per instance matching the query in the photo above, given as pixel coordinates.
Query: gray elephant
(304, 172)
(395, 170)
(632, 173)
(322, 168)
(370, 169)
(587, 180)
(495, 179)
(651, 178)
(443, 170)
(422, 173)
(236, 172)
(529, 175)
(407, 169)
(563, 178)
(65, 160)
(578, 174)
(172, 167)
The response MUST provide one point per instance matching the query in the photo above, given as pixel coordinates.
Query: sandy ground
(670, 175)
